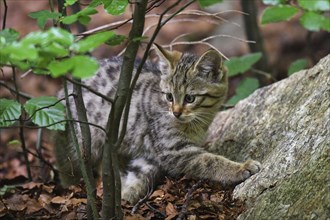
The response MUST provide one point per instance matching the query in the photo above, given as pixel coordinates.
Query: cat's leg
(198, 163)
(138, 179)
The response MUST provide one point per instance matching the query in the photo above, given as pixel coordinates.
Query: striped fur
(172, 107)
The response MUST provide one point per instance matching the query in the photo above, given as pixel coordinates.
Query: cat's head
(193, 87)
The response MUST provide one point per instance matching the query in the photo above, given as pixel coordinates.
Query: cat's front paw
(249, 168)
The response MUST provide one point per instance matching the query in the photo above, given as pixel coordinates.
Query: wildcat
(171, 109)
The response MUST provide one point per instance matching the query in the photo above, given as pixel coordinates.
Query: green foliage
(297, 65)
(115, 7)
(278, 13)
(10, 110)
(206, 3)
(315, 5)
(48, 52)
(6, 189)
(69, 2)
(273, 2)
(116, 40)
(312, 11)
(45, 111)
(82, 16)
(80, 66)
(314, 22)
(91, 42)
(244, 89)
(56, 52)
(237, 65)
(43, 16)
(8, 36)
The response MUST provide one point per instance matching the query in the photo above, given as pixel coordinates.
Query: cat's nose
(177, 114)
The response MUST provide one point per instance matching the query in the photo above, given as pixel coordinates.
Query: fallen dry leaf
(59, 200)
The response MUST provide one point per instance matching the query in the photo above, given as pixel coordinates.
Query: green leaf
(80, 16)
(59, 68)
(326, 24)
(116, 7)
(206, 3)
(84, 19)
(7, 189)
(96, 3)
(314, 22)
(21, 51)
(45, 111)
(244, 89)
(315, 5)
(69, 2)
(87, 11)
(79, 66)
(61, 36)
(273, 2)
(91, 42)
(10, 35)
(14, 142)
(54, 50)
(278, 13)
(116, 40)
(84, 66)
(237, 65)
(10, 110)
(43, 16)
(297, 65)
(69, 19)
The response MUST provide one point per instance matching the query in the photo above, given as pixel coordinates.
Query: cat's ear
(210, 65)
(168, 59)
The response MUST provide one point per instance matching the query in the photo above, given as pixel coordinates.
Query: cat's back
(106, 79)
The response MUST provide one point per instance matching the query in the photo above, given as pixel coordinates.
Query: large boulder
(286, 126)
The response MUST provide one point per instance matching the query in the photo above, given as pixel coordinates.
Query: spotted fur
(172, 107)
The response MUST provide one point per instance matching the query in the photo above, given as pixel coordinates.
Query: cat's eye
(189, 98)
(169, 97)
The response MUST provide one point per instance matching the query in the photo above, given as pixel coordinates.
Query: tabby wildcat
(172, 107)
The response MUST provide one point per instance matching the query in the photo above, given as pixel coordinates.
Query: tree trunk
(286, 126)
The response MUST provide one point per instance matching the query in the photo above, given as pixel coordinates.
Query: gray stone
(286, 126)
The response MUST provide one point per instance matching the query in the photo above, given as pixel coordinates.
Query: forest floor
(44, 198)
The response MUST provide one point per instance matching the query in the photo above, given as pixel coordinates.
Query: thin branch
(161, 23)
(188, 198)
(106, 98)
(42, 159)
(21, 130)
(118, 24)
(22, 94)
(5, 15)
(39, 109)
(198, 42)
(90, 190)
(163, 215)
(55, 123)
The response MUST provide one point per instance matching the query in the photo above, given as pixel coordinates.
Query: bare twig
(22, 94)
(21, 129)
(4, 15)
(188, 198)
(144, 199)
(58, 122)
(106, 98)
(39, 109)
(163, 215)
